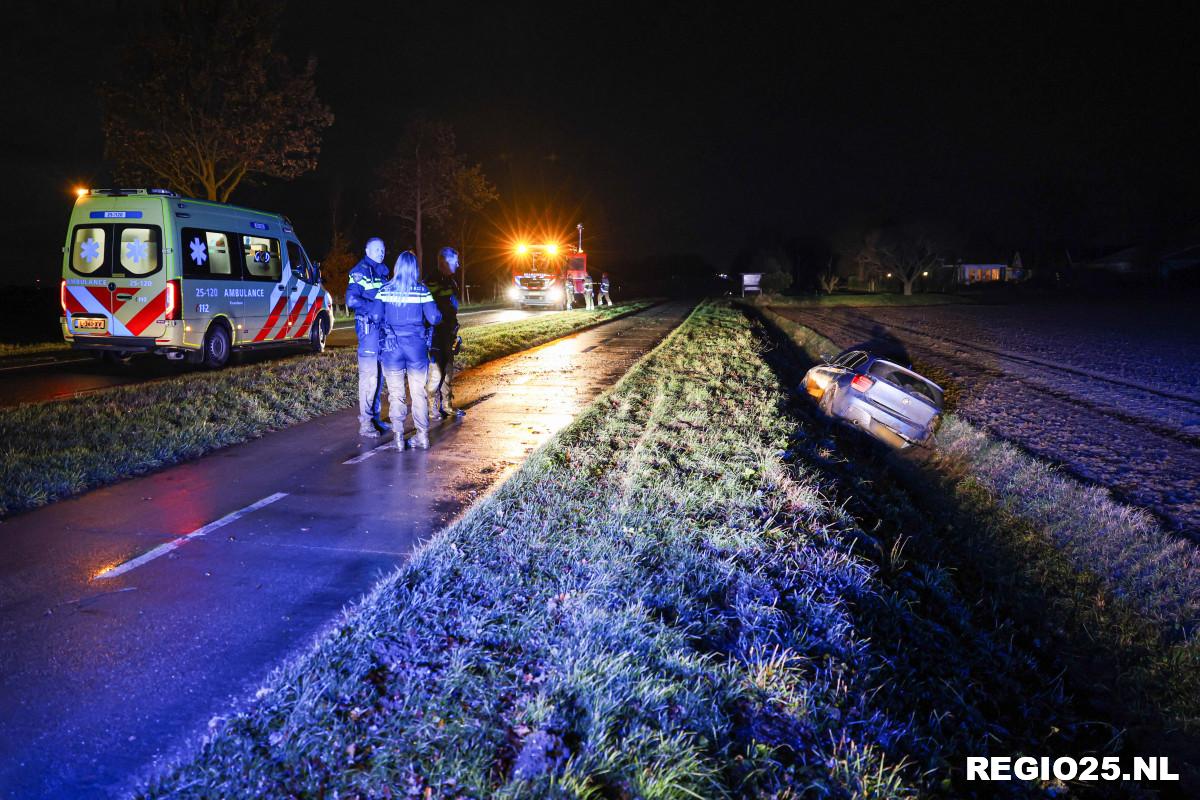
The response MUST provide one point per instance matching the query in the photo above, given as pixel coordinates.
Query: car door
(267, 296)
(304, 292)
(87, 287)
(138, 286)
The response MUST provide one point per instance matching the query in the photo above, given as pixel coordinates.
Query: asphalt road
(57, 376)
(110, 665)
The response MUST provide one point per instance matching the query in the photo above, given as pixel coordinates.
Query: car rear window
(851, 359)
(908, 381)
(89, 251)
(139, 250)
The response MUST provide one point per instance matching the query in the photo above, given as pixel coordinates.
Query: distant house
(977, 273)
(994, 271)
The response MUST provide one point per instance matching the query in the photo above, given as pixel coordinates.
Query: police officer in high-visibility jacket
(366, 278)
(409, 315)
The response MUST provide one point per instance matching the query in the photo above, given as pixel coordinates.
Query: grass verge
(1101, 586)
(57, 449)
(15, 351)
(487, 342)
(661, 603)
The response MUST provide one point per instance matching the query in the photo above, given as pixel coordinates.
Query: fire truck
(548, 274)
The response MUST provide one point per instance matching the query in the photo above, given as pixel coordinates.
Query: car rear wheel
(216, 346)
(317, 335)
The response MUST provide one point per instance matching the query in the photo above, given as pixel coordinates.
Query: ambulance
(148, 271)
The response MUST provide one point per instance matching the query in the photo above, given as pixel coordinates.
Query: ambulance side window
(301, 267)
(261, 258)
(208, 254)
(89, 251)
(139, 249)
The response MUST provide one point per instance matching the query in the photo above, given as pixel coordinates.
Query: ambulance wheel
(318, 334)
(216, 346)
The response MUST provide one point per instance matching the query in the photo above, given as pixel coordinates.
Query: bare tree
(829, 278)
(473, 192)
(418, 181)
(205, 101)
(341, 256)
(906, 251)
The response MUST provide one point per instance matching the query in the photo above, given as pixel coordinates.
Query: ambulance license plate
(535, 297)
(91, 323)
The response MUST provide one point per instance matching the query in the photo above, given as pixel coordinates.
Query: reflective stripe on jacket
(408, 312)
(365, 280)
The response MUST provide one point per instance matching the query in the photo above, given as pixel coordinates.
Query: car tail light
(62, 295)
(862, 382)
(172, 309)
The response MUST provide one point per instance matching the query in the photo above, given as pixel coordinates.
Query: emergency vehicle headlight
(552, 249)
(514, 293)
(521, 248)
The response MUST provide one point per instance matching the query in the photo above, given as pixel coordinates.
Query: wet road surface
(252, 551)
(68, 374)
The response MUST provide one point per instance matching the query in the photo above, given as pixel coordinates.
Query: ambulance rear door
(115, 282)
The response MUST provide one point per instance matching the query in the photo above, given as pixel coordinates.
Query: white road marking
(361, 458)
(163, 549)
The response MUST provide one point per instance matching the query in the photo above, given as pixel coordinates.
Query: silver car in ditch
(888, 401)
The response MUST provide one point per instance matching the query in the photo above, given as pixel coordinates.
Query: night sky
(670, 128)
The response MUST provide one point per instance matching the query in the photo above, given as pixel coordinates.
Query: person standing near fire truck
(589, 301)
(568, 290)
(366, 278)
(603, 297)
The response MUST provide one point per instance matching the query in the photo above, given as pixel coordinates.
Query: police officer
(588, 291)
(603, 297)
(408, 313)
(445, 342)
(366, 278)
